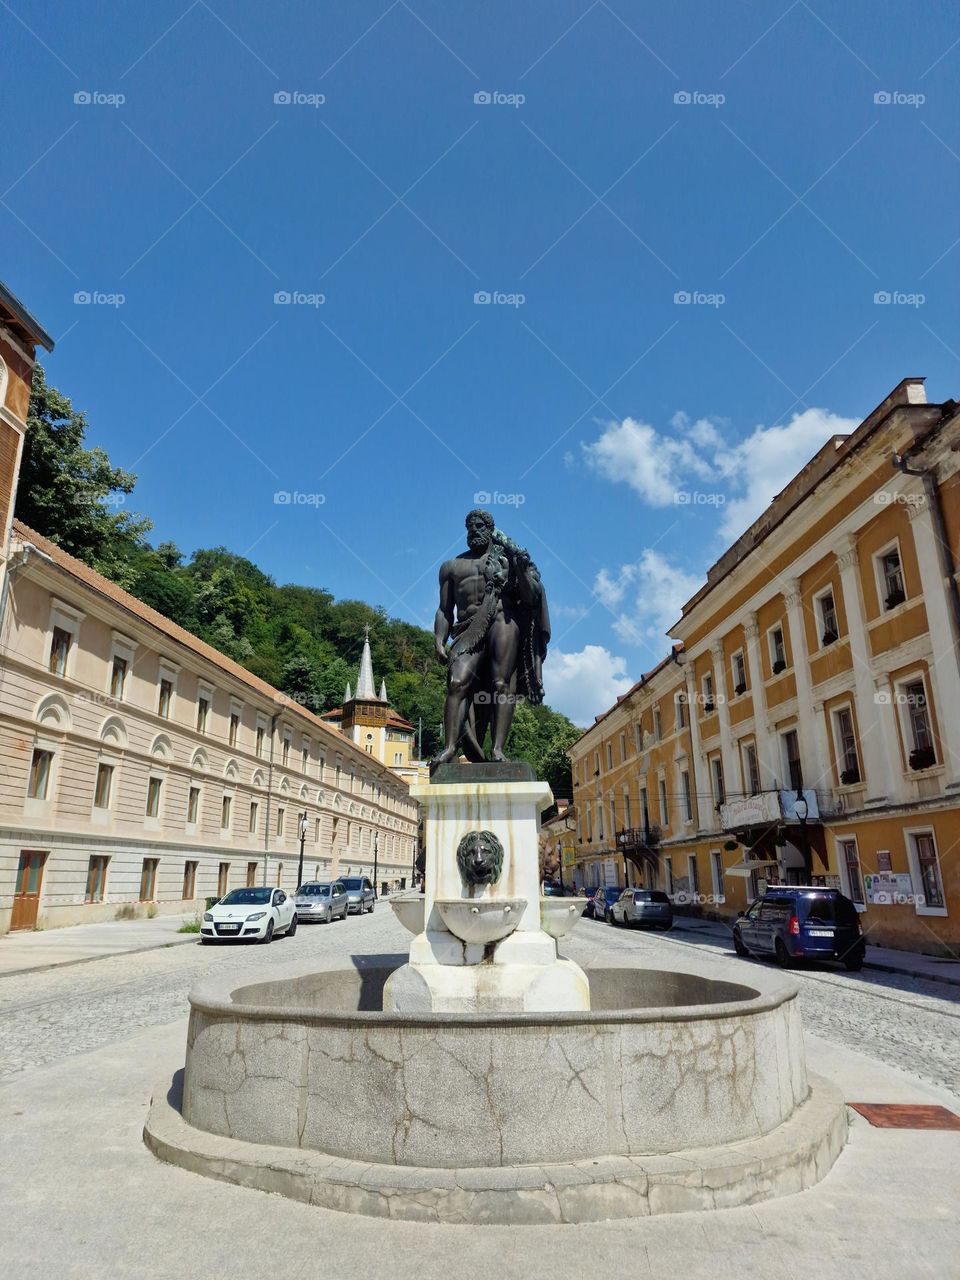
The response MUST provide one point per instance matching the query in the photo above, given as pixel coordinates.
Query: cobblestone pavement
(904, 1022)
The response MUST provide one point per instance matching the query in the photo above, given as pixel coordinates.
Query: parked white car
(254, 914)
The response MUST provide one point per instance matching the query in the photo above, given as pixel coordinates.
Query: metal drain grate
(896, 1115)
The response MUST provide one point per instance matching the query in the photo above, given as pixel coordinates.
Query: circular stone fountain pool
(675, 1091)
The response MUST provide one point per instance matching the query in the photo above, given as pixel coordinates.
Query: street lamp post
(303, 835)
(801, 809)
(376, 856)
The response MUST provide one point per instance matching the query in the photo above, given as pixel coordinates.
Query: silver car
(322, 902)
(642, 907)
(360, 893)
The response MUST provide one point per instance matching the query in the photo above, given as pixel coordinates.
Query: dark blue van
(799, 922)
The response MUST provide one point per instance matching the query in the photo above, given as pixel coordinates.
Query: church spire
(383, 691)
(365, 685)
(348, 696)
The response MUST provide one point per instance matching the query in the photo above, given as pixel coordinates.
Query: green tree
(73, 495)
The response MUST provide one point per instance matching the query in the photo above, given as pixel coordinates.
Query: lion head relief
(480, 858)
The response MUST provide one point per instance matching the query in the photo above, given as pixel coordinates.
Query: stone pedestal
(522, 971)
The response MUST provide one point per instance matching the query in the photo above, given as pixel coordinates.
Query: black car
(604, 899)
(800, 922)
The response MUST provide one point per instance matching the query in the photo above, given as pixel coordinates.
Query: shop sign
(883, 860)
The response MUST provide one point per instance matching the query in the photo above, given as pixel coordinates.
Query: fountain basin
(559, 915)
(480, 920)
(410, 910)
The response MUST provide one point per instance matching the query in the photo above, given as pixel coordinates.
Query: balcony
(769, 807)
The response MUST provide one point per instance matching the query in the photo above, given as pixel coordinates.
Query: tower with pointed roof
(368, 719)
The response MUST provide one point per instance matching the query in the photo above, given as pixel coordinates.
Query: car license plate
(820, 933)
(229, 928)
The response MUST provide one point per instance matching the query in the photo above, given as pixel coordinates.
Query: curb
(110, 955)
(881, 966)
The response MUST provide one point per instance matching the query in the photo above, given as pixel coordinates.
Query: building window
(716, 773)
(118, 678)
(664, 810)
(644, 809)
(850, 861)
(638, 735)
(153, 797)
(716, 864)
(226, 812)
(609, 755)
(685, 794)
(623, 747)
(286, 752)
(103, 786)
(316, 831)
(626, 809)
(223, 878)
(148, 879)
(336, 777)
(928, 866)
(96, 878)
(260, 735)
(253, 818)
(751, 769)
(193, 806)
(920, 732)
(398, 757)
(164, 699)
(681, 705)
(791, 756)
(613, 816)
(890, 572)
(59, 651)
(739, 668)
(668, 875)
(694, 876)
(203, 710)
(778, 651)
(251, 874)
(281, 814)
(189, 881)
(234, 728)
(846, 741)
(657, 727)
(41, 766)
(827, 609)
(709, 702)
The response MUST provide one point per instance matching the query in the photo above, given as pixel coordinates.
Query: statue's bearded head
(480, 528)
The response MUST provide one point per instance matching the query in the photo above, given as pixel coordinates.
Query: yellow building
(368, 719)
(806, 726)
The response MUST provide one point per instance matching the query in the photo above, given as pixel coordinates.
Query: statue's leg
(504, 643)
(461, 679)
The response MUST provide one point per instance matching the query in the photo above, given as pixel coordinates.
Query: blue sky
(619, 155)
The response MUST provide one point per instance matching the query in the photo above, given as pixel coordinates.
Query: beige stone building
(806, 725)
(142, 769)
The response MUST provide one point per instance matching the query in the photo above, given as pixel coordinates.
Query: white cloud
(650, 593)
(742, 476)
(583, 684)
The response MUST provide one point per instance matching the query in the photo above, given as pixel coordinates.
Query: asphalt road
(56, 1014)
